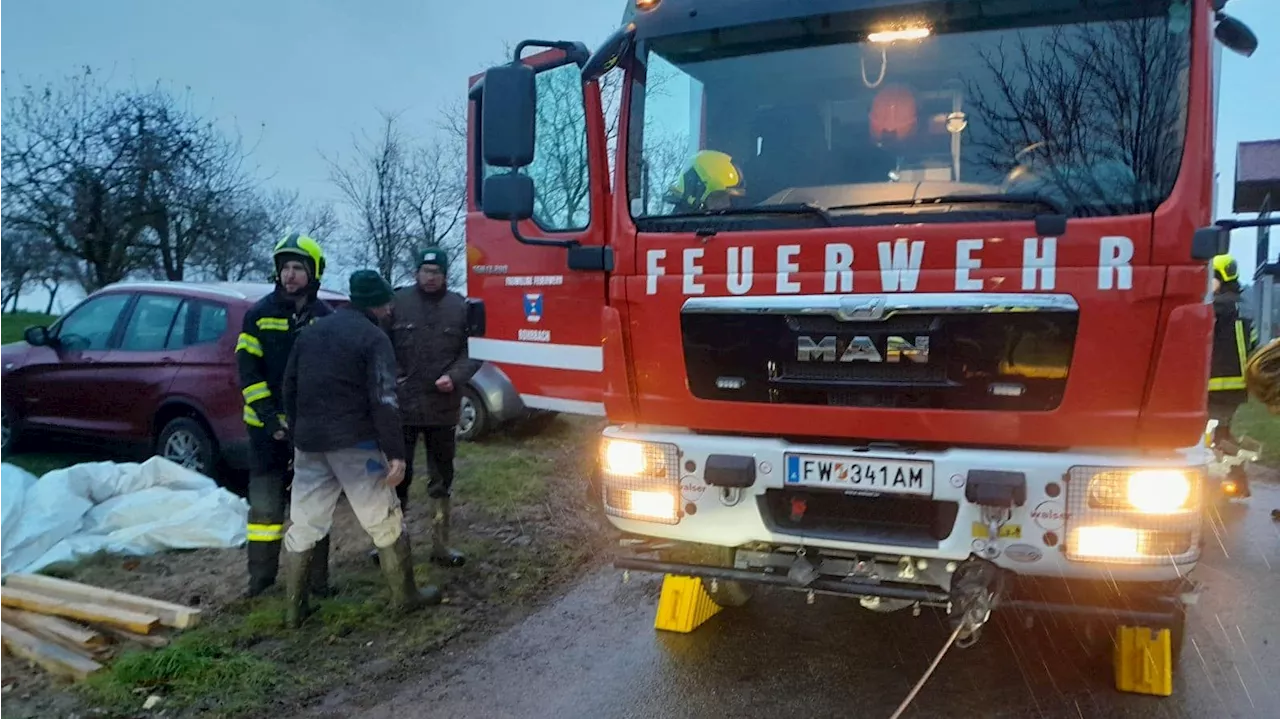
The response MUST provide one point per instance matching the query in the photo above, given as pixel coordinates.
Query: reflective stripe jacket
(262, 351)
(1234, 338)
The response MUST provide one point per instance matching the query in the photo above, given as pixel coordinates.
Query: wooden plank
(32, 625)
(133, 621)
(153, 641)
(53, 658)
(68, 631)
(170, 614)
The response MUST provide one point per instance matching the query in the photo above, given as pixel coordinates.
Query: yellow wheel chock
(684, 604)
(1144, 661)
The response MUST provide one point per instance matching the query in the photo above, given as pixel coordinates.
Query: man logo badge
(862, 349)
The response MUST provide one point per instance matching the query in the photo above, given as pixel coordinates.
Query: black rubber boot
(397, 568)
(264, 563)
(297, 571)
(441, 553)
(318, 576)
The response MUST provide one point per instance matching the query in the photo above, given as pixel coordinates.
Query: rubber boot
(318, 576)
(441, 554)
(264, 563)
(397, 568)
(297, 572)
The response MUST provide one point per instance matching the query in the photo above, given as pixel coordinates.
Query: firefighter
(429, 331)
(710, 182)
(1233, 340)
(262, 351)
(340, 399)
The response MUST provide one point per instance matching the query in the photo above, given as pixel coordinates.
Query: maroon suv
(148, 365)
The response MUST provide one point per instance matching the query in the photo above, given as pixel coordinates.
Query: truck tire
(186, 442)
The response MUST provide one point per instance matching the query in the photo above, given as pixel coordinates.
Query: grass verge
(13, 325)
(517, 517)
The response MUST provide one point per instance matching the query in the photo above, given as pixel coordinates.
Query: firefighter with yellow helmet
(710, 182)
(1233, 340)
(262, 352)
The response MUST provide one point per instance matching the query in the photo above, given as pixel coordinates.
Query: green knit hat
(434, 256)
(369, 290)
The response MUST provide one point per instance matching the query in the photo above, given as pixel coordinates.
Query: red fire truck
(900, 300)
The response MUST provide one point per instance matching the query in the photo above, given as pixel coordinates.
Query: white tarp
(121, 508)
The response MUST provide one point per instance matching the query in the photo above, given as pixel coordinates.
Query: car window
(148, 328)
(90, 325)
(211, 323)
(178, 335)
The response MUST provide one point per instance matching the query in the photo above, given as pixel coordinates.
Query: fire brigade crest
(533, 306)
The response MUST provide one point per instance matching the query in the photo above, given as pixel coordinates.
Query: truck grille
(959, 360)
(900, 521)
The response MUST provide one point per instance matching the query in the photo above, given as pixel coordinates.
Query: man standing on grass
(340, 399)
(429, 332)
(266, 338)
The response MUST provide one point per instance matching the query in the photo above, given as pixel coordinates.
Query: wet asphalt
(594, 653)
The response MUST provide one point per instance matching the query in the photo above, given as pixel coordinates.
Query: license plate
(888, 476)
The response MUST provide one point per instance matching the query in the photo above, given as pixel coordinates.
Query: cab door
(543, 319)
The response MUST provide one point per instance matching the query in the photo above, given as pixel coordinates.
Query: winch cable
(928, 672)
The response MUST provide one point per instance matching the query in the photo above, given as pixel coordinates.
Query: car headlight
(1133, 516)
(640, 480)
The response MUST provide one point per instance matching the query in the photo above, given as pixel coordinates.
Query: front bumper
(1032, 538)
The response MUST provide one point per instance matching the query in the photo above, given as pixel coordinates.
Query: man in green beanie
(340, 400)
(429, 332)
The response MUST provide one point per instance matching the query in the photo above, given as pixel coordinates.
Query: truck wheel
(473, 416)
(728, 593)
(186, 442)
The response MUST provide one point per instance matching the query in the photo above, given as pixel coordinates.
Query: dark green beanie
(369, 290)
(434, 256)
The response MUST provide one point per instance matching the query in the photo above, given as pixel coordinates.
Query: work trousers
(269, 478)
(319, 478)
(441, 447)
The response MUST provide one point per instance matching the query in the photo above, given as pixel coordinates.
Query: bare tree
(1087, 112)
(435, 195)
(373, 184)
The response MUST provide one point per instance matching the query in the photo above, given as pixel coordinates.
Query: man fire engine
(945, 345)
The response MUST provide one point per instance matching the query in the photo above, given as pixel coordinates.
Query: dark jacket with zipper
(429, 332)
(262, 350)
(340, 386)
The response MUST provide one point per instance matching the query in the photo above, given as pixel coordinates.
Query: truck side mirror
(475, 318)
(508, 197)
(36, 336)
(507, 115)
(1235, 35)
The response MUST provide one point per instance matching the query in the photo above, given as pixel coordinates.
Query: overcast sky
(298, 76)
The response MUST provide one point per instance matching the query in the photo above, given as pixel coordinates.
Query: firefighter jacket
(262, 351)
(340, 386)
(429, 333)
(1234, 338)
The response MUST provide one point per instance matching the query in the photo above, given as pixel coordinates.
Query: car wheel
(9, 421)
(473, 416)
(186, 442)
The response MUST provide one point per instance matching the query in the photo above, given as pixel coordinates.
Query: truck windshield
(1083, 107)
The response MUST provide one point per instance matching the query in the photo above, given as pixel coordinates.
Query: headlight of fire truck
(640, 480)
(1134, 516)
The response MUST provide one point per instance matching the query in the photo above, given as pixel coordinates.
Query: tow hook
(976, 588)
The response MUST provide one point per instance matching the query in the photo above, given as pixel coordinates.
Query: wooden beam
(170, 614)
(53, 658)
(59, 631)
(152, 641)
(133, 621)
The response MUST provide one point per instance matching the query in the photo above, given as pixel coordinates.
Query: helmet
(1225, 268)
(710, 172)
(1262, 375)
(296, 245)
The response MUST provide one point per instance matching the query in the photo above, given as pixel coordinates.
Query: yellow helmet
(299, 245)
(1262, 375)
(711, 171)
(1225, 268)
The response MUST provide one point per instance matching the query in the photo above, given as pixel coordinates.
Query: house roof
(1257, 175)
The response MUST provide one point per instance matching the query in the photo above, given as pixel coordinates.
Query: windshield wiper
(1015, 198)
(790, 208)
